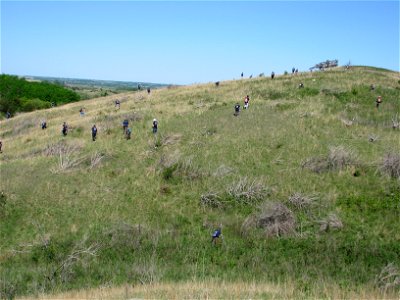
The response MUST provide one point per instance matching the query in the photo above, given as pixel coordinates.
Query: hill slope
(304, 185)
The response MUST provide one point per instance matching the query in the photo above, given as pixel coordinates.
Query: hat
(154, 119)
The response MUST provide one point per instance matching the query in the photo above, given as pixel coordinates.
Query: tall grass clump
(390, 165)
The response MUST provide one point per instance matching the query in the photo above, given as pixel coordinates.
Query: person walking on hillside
(293, 69)
(82, 112)
(246, 102)
(378, 101)
(8, 115)
(237, 109)
(64, 129)
(117, 104)
(125, 125)
(155, 125)
(1, 146)
(128, 133)
(301, 85)
(94, 133)
(216, 235)
(241, 75)
(272, 75)
(148, 91)
(44, 124)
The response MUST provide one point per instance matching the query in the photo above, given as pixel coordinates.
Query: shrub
(337, 159)
(211, 199)
(390, 165)
(274, 218)
(300, 201)
(246, 191)
(389, 278)
(332, 221)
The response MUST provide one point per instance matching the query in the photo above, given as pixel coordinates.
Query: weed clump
(389, 278)
(301, 202)
(338, 158)
(274, 218)
(390, 165)
(211, 199)
(332, 221)
(246, 191)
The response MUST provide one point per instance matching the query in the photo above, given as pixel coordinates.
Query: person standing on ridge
(272, 75)
(44, 124)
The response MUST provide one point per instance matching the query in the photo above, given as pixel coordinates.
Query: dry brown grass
(218, 289)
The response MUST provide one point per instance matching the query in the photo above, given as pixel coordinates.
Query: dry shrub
(61, 147)
(332, 221)
(340, 157)
(68, 158)
(246, 191)
(133, 117)
(301, 201)
(146, 271)
(337, 159)
(222, 170)
(390, 165)
(211, 199)
(389, 278)
(274, 218)
(95, 159)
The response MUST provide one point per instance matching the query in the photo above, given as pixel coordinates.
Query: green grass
(139, 209)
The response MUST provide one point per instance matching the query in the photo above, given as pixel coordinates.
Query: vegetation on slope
(19, 95)
(305, 185)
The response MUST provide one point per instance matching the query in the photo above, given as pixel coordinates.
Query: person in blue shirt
(216, 235)
(125, 125)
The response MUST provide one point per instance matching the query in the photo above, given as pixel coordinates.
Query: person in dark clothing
(241, 75)
(272, 75)
(1, 146)
(237, 109)
(117, 104)
(293, 69)
(8, 115)
(125, 125)
(94, 133)
(155, 126)
(301, 85)
(378, 101)
(148, 91)
(64, 129)
(44, 124)
(128, 133)
(215, 236)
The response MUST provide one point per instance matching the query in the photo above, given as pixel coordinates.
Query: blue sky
(188, 42)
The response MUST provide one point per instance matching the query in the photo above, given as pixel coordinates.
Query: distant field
(305, 186)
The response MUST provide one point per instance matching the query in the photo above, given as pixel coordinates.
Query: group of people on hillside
(245, 105)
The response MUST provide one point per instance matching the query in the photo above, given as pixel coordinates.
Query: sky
(185, 42)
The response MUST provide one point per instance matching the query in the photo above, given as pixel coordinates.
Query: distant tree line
(20, 95)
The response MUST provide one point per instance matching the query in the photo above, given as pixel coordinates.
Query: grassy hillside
(305, 186)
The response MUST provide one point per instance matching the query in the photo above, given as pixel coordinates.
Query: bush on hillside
(338, 158)
(274, 218)
(389, 278)
(301, 201)
(390, 165)
(247, 191)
